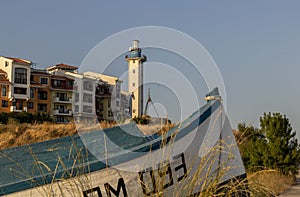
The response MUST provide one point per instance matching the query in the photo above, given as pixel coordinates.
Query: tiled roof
(19, 60)
(62, 66)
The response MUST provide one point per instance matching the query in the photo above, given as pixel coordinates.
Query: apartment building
(125, 105)
(112, 99)
(92, 97)
(103, 101)
(61, 90)
(15, 84)
(39, 100)
(84, 96)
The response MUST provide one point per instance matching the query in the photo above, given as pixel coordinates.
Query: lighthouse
(135, 61)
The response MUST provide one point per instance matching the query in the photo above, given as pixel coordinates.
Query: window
(3, 93)
(30, 105)
(76, 97)
(118, 103)
(87, 109)
(4, 103)
(6, 63)
(57, 83)
(31, 93)
(118, 91)
(20, 90)
(44, 80)
(75, 88)
(42, 95)
(133, 71)
(76, 108)
(133, 84)
(20, 106)
(106, 91)
(88, 98)
(87, 85)
(42, 107)
(62, 96)
(62, 109)
(70, 83)
(21, 75)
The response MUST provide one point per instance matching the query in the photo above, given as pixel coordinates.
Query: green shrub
(25, 117)
(141, 120)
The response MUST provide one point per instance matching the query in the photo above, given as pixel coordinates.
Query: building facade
(109, 95)
(16, 72)
(60, 91)
(39, 92)
(61, 88)
(84, 96)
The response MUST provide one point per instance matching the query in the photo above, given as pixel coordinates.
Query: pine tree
(282, 149)
(252, 145)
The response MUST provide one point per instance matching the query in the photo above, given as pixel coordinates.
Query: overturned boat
(197, 156)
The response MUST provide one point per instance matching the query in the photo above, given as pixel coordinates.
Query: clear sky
(256, 44)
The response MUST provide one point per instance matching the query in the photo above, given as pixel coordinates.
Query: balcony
(134, 54)
(20, 96)
(17, 109)
(62, 100)
(62, 112)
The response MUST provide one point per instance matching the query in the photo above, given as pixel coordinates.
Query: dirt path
(294, 190)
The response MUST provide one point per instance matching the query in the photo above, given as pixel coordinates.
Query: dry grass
(269, 180)
(84, 126)
(15, 134)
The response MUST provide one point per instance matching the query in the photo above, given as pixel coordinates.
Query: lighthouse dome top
(135, 44)
(135, 52)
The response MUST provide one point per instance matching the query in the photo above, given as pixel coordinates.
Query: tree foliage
(272, 146)
(25, 117)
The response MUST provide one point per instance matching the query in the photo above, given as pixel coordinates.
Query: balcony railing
(20, 96)
(134, 54)
(62, 100)
(17, 109)
(65, 87)
(64, 112)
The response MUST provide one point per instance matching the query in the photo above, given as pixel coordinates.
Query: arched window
(21, 75)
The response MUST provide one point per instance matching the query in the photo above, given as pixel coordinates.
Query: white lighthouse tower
(135, 61)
